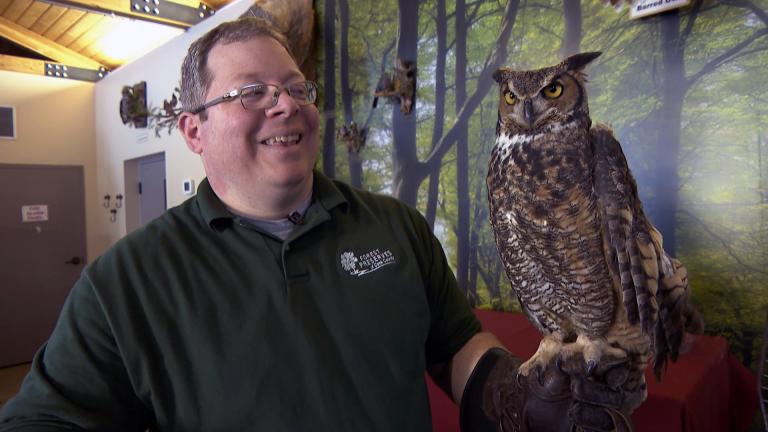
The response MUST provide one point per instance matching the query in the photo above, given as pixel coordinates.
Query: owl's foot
(549, 348)
(592, 350)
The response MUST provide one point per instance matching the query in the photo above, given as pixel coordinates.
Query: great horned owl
(585, 262)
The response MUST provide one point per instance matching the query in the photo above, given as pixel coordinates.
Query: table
(707, 389)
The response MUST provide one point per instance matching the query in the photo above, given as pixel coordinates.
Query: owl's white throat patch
(507, 142)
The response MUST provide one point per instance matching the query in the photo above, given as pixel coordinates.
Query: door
(145, 197)
(42, 252)
(151, 187)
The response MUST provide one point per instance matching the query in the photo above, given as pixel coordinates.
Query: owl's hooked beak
(528, 113)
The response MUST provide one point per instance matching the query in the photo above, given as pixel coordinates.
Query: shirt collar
(326, 191)
(216, 215)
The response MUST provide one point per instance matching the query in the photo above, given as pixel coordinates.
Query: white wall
(117, 142)
(54, 126)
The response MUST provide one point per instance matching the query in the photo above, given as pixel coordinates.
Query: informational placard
(643, 8)
(34, 213)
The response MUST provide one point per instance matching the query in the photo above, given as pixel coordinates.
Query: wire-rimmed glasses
(258, 96)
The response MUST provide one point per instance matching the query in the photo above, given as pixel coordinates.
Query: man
(276, 299)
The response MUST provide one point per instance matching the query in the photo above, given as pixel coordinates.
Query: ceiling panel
(72, 30)
(47, 19)
(78, 29)
(91, 33)
(32, 14)
(70, 17)
(16, 9)
(4, 5)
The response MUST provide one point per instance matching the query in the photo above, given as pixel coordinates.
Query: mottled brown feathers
(580, 253)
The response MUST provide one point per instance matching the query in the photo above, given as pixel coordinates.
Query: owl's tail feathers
(674, 312)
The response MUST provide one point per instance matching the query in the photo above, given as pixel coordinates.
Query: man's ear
(189, 125)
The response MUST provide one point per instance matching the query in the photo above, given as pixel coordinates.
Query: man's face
(237, 147)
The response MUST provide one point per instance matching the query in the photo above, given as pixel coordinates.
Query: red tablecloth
(707, 389)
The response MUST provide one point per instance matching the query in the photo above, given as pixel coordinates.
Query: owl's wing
(654, 286)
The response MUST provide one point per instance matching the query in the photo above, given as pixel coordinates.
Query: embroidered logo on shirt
(367, 262)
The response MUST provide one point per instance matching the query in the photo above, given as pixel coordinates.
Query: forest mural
(685, 92)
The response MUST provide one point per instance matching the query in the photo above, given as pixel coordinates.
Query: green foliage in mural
(684, 92)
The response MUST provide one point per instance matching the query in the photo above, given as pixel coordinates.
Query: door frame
(132, 201)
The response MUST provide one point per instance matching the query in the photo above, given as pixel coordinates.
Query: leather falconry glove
(561, 398)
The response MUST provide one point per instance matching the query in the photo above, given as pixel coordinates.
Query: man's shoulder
(143, 244)
(377, 202)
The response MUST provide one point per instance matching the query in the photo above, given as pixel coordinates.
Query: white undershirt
(281, 228)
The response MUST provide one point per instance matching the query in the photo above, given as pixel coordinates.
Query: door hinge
(139, 188)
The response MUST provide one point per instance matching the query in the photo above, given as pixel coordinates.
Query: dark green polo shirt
(199, 322)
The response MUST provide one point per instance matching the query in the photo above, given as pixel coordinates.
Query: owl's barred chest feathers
(548, 227)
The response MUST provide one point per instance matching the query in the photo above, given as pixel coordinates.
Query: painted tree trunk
(354, 160)
(408, 172)
(674, 87)
(437, 129)
(462, 151)
(329, 90)
(572, 32)
(405, 165)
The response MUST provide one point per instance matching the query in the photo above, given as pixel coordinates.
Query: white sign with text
(34, 213)
(642, 8)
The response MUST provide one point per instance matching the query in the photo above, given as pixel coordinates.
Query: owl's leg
(592, 350)
(549, 347)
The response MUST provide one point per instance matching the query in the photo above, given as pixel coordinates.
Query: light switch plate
(188, 187)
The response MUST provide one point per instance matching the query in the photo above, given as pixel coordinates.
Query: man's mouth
(282, 140)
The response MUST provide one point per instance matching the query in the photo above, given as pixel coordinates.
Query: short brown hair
(195, 75)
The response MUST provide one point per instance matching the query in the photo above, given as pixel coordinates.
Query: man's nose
(284, 103)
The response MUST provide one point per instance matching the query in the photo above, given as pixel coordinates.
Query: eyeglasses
(258, 96)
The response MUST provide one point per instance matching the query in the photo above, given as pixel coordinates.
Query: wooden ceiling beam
(45, 47)
(177, 13)
(52, 70)
(22, 64)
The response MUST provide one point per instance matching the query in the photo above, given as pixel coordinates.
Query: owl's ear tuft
(577, 62)
(500, 75)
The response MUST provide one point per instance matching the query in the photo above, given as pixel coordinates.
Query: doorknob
(74, 261)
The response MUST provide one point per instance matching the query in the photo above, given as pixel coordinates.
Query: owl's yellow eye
(509, 98)
(553, 91)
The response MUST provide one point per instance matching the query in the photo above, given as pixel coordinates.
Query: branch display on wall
(166, 117)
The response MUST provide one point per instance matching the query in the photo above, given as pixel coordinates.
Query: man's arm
(465, 360)
(78, 380)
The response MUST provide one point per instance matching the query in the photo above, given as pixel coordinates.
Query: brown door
(42, 252)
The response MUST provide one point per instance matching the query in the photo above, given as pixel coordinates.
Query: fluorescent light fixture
(130, 39)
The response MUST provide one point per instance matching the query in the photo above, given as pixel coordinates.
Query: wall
(54, 121)
(117, 143)
(683, 91)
